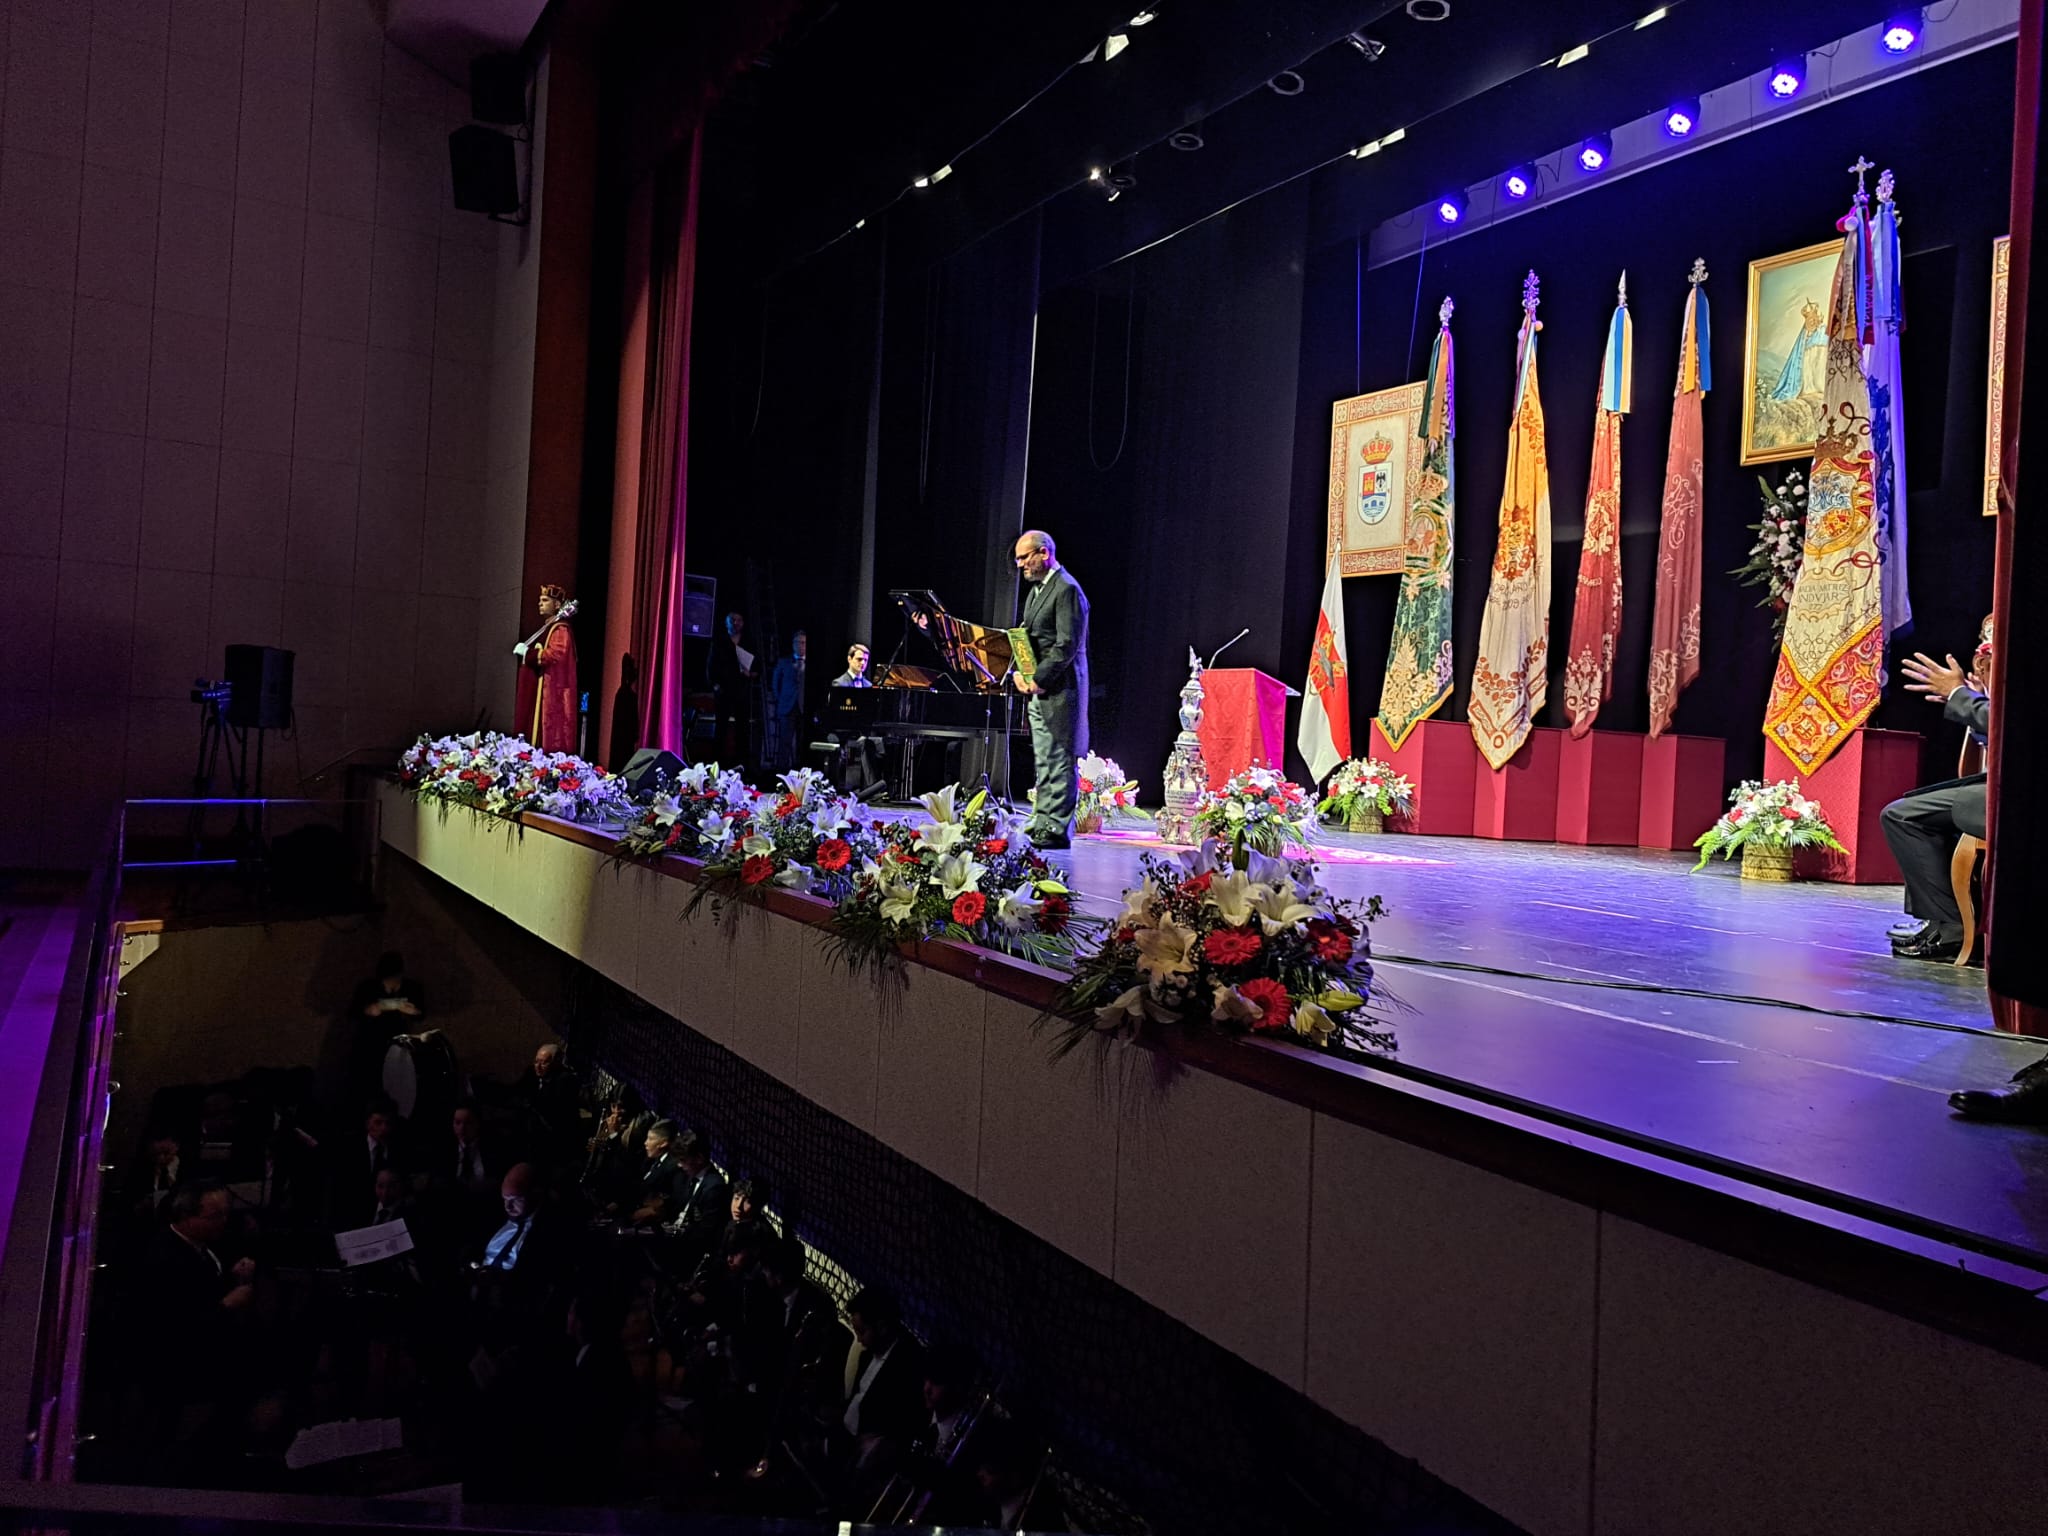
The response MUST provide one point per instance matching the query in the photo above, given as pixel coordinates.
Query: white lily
(959, 873)
(794, 877)
(715, 829)
(1134, 1006)
(1314, 1023)
(1278, 908)
(754, 846)
(940, 836)
(695, 776)
(829, 820)
(939, 804)
(1166, 951)
(898, 900)
(1231, 895)
(1265, 869)
(1137, 912)
(667, 807)
(1232, 1006)
(1018, 909)
(1205, 860)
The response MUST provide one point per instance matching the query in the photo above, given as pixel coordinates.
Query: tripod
(220, 737)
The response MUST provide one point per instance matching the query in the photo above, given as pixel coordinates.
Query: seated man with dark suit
(884, 1405)
(1921, 828)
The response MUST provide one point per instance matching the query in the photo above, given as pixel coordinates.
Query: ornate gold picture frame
(1994, 411)
(1785, 352)
(1375, 470)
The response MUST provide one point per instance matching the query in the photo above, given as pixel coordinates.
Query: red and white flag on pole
(1325, 735)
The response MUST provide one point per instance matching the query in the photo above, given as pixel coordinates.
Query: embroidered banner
(1831, 666)
(1508, 680)
(1418, 676)
(1596, 605)
(1675, 622)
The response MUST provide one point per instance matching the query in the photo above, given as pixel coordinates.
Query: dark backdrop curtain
(662, 503)
(1162, 440)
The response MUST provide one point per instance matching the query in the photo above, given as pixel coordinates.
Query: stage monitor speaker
(259, 687)
(497, 88)
(700, 605)
(648, 765)
(486, 174)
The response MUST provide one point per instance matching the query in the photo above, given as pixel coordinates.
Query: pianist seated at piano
(856, 673)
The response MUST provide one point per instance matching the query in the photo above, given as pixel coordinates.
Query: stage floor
(1832, 1085)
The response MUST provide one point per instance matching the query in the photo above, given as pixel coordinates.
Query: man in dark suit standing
(1056, 619)
(1921, 828)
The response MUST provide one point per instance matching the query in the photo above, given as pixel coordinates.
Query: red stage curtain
(661, 519)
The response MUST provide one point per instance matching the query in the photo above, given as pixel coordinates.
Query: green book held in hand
(1022, 658)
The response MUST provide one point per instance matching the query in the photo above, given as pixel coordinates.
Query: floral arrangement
(807, 838)
(965, 873)
(506, 775)
(1774, 816)
(1366, 784)
(1780, 546)
(1205, 946)
(1107, 792)
(1257, 809)
(675, 819)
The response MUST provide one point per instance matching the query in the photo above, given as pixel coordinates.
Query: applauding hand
(1926, 675)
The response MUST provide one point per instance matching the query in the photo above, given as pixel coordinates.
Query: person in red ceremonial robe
(547, 677)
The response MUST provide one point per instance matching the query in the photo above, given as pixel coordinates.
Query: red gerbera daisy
(1196, 885)
(1232, 946)
(1332, 944)
(968, 908)
(834, 854)
(756, 869)
(1270, 998)
(996, 845)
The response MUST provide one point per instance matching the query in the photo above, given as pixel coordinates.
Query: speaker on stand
(259, 679)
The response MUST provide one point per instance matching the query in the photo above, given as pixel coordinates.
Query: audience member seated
(551, 1111)
(1921, 829)
(657, 1191)
(701, 1205)
(789, 1358)
(352, 1175)
(160, 1174)
(884, 1404)
(391, 1201)
(1009, 1470)
(462, 1178)
(389, 1003)
(189, 1321)
(617, 1156)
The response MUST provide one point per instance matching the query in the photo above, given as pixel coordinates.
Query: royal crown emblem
(1378, 449)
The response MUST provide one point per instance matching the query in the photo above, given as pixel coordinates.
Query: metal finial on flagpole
(1699, 270)
(1885, 187)
(1443, 312)
(1863, 164)
(1621, 293)
(1531, 294)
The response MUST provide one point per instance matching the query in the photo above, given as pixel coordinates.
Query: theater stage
(1760, 1030)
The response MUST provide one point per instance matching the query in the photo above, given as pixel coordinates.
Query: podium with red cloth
(1866, 773)
(1244, 721)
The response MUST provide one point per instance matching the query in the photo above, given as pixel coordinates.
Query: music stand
(985, 651)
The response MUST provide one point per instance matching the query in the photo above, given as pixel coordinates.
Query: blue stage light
(1519, 184)
(1596, 152)
(1683, 118)
(1787, 78)
(1450, 208)
(1901, 32)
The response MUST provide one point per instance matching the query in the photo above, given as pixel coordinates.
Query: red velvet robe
(547, 690)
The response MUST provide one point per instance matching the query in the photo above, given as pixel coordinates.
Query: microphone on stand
(1226, 645)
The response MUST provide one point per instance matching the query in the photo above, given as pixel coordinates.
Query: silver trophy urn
(1186, 777)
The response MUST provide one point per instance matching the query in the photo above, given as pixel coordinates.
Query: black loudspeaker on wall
(486, 174)
(497, 88)
(260, 687)
(645, 766)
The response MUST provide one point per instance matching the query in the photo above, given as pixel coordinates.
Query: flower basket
(1087, 822)
(1766, 824)
(1257, 811)
(1761, 863)
(1106, 793)
(1363, 793)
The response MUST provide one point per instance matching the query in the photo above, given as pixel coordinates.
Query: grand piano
(951, 716)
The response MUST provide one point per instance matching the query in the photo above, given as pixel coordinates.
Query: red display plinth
(1600, 788)
(1868, 771)
(1683, 790)
(1244, 721)
(1439, 758)
(1518, 803)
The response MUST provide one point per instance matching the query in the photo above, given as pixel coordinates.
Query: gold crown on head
(1378, 449)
